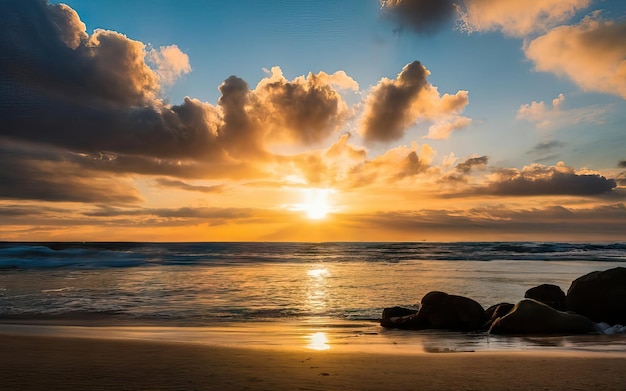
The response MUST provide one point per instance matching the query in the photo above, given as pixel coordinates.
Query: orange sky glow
(479, 121)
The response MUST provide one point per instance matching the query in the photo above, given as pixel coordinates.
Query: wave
(124, 255)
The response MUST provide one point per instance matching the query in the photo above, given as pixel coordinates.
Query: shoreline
(333, 336)
(65, 363)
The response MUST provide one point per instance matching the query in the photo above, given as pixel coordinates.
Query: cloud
(306, 110)
(175, 213)
(544, 150)
(422, 16)
(95, 99)
(171, 63)
(538, 112)
(621, 164)
(394, 165)
(394, 105)
(461, 172)
(176, 184)
(37, 174)
(557, 116)
(537, 179)
(443, 129)
(517, 17)
(499, 220)
(592, 54)
(470, 163)
(72, 31)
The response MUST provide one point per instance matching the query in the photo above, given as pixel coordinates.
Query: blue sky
(212, 120)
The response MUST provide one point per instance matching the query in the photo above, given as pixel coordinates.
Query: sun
(316, 203)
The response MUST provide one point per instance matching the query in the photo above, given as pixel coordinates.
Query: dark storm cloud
(621, 164)
(43, 175)
(421, 16)
(97, 96)
(547, 181)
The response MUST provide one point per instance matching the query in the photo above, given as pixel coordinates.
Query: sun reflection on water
(316, 290)
(318, 273)
(318, 341)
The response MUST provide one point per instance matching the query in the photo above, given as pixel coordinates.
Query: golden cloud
(592, 54)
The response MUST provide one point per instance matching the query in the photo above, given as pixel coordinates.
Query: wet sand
(65, 363)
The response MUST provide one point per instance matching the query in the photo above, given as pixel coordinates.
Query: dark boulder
(549, 294)
(600, 295)
(496, 311)
(440, 310)
(533, 317)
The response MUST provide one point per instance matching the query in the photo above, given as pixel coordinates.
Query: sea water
(316, 294)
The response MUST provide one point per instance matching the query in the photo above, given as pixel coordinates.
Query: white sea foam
(607, 329)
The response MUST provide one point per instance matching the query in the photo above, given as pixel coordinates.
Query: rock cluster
(598, 297)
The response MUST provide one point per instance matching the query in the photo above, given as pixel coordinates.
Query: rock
(549, 294)
(394, 312)
(533, 317)
(496, 311)
(440, 310)
(600, 295)
(397, 317)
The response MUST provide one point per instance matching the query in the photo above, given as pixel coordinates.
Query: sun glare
(316, 203)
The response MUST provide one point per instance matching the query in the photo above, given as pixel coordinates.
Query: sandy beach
(61, 363)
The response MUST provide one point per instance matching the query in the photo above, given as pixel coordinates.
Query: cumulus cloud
(539, 113)
(394, 165)
(517, 17)
(171, 63)
(537, 179)
(462, 171)
(546, 116)
(95, 99)
(422, 16)
(592, 54)
(72, 31)
(394, 105)
(443, 129)
(306, 110)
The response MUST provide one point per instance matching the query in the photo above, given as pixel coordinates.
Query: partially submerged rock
(600, 295)
(397, 317)
(439, 310)
(533, 317)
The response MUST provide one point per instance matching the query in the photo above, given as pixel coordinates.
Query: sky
(277, 120)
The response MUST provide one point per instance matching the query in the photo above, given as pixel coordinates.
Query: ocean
(281, 293)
